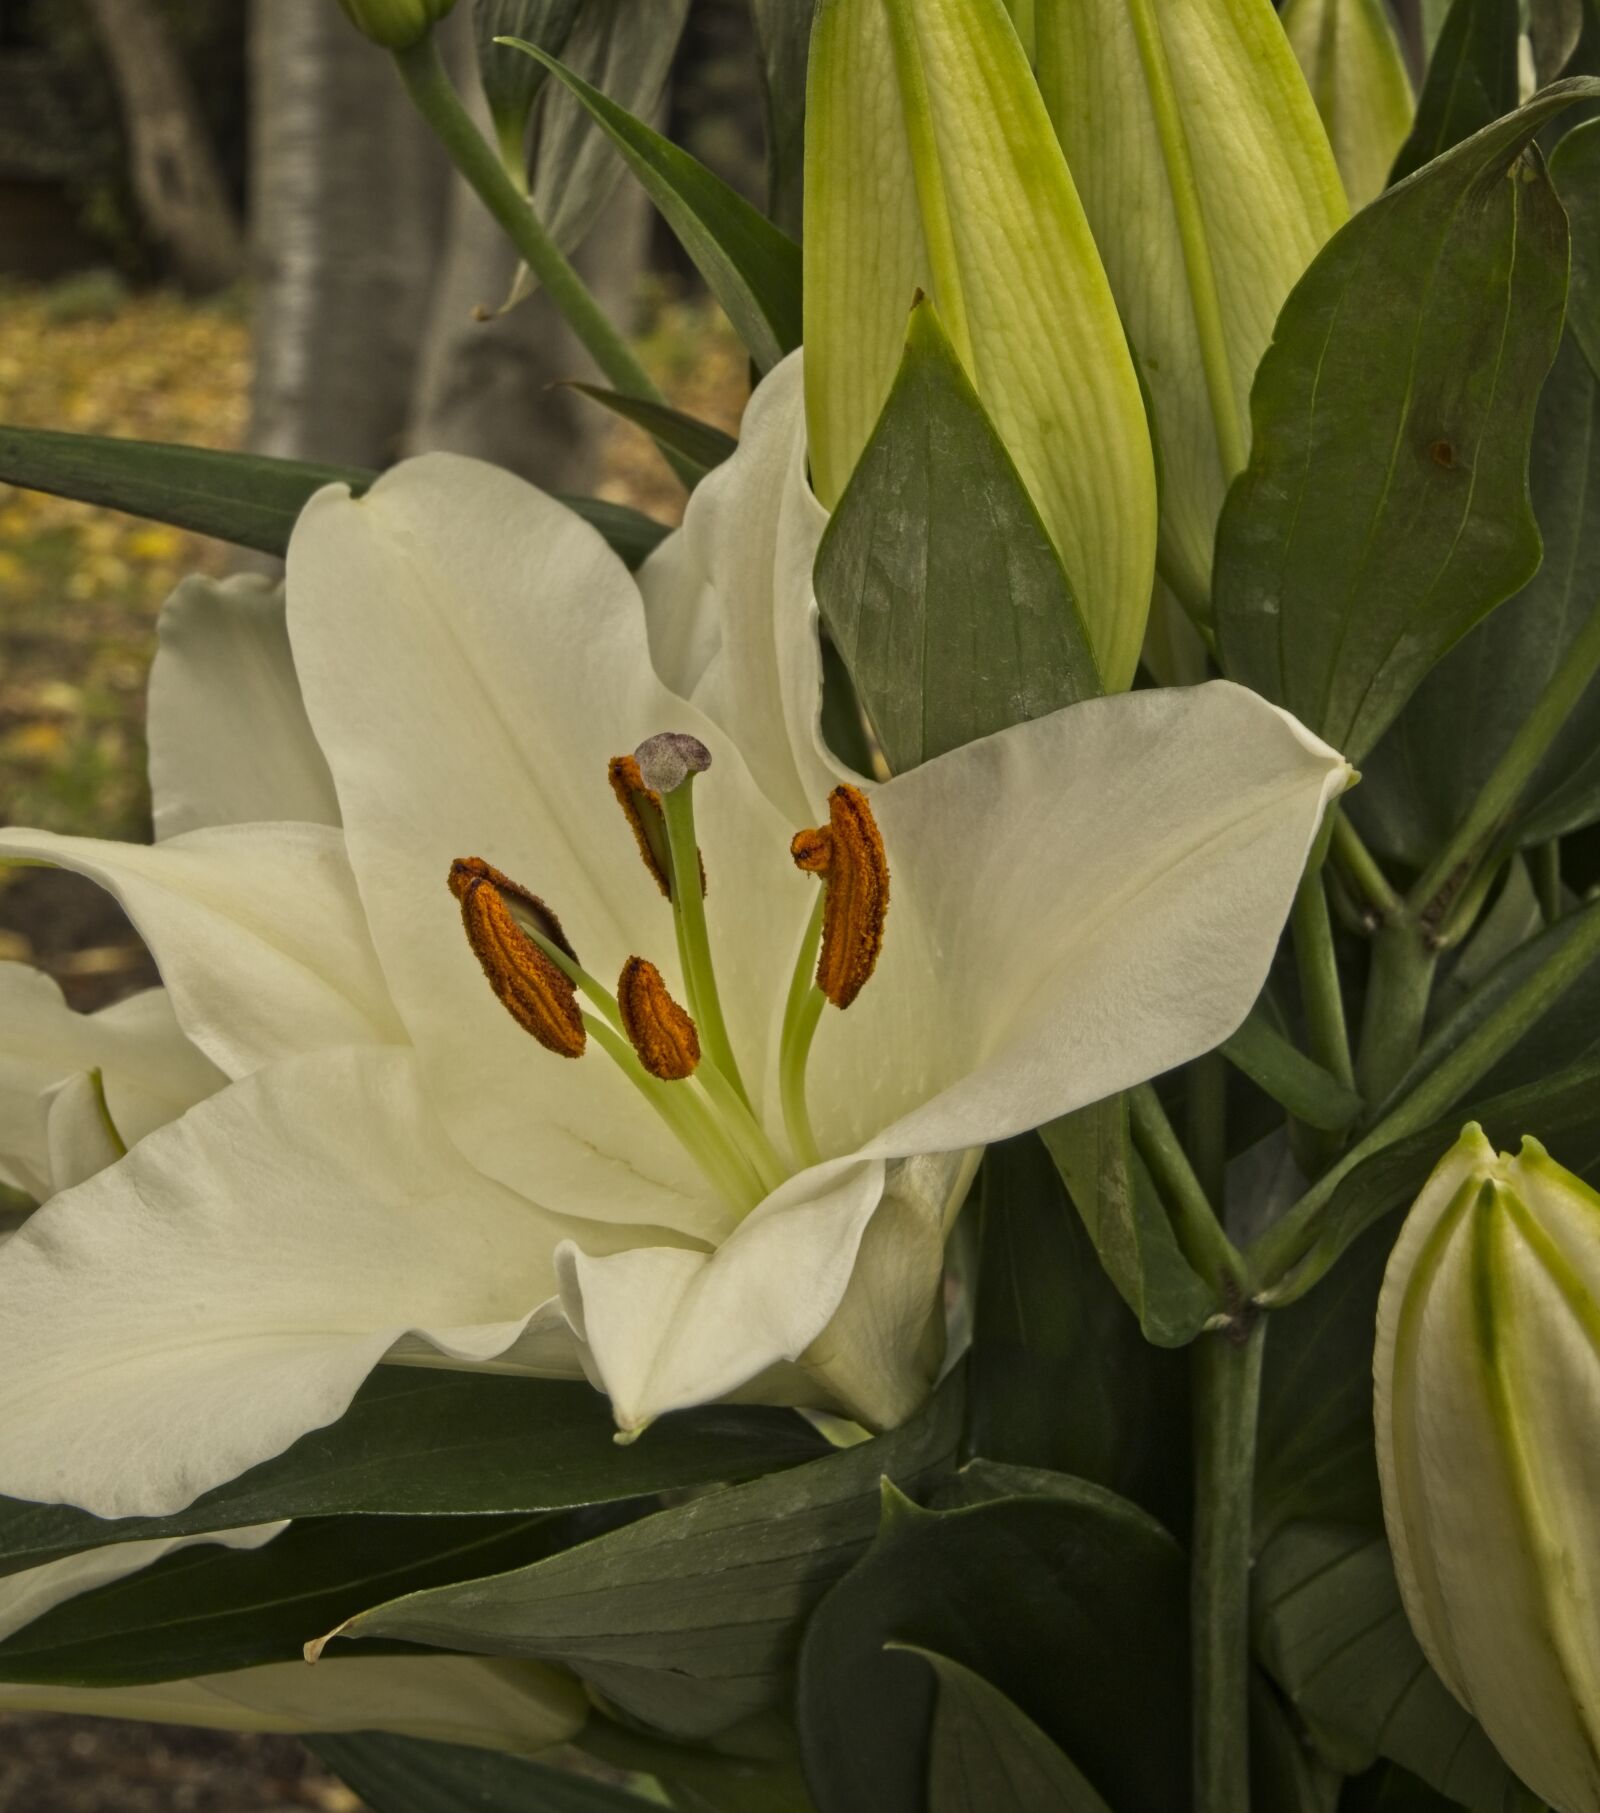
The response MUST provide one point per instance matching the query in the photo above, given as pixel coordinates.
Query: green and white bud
(1210, 185)
(932, 166)
(1357, 74)
(1487, 1371)
(396, 24)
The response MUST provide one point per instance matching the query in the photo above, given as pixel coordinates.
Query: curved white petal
(665, 1328)
(256, 929)
(733, 621)
(1077, 904)
(150, 1071)
(503, 659)
(80, 1136)
(34, 1591)
(521, 1707)
(230, 742)
(230, 1283)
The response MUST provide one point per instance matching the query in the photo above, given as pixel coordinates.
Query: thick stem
(1398, 988)
(437, 101)
(1226, 1392)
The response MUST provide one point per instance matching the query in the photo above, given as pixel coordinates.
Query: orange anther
(641, 806)
(533, 989)
(666, 1039)
(847, 853)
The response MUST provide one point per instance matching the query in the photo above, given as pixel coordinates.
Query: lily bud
(932, 166)
(396, 24)
(1357, 74)
(1210, 185)
(1488, 1423)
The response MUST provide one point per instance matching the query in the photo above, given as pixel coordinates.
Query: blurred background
(222, 223)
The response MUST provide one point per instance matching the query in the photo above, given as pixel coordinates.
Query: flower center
(680, 1058)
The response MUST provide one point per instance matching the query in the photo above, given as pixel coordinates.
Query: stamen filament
(742, 1125)
(801, 1013)
(706, 1142)
(694, 939)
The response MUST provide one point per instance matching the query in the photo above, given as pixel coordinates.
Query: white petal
(34, 1591)
(1078, 903)
(80, 1137)
(150, 1070)
(733, 620)
(521, 1707)
(666, 1328)
(230, 742)
(503, 660)
(256, 929)
(230, 1283)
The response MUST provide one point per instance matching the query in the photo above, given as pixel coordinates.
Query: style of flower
(446, 1137)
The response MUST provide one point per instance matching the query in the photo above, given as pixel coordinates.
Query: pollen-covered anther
(531, 987)
(641, 806)
(848, 854)
(664, 1036)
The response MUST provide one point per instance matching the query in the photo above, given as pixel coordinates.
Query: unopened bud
(396, 24)
(1488, 1423)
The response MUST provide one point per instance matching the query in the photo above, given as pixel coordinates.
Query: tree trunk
(176, 179)
(348, 194)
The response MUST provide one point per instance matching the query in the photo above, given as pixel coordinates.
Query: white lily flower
(399, 1169)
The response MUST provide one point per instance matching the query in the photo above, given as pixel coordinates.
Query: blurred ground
(79, 592)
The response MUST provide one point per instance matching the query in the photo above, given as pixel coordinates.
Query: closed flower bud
(1488, 1425)
(396, 24)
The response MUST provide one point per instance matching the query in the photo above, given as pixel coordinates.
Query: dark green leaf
(207, 1609)
(1575, 170)
(1385, 507)
(1294, 1081)
(1059, 1374)
(1472, 80)
(1075, 1608)
(1387, 1789)
(1314, 1454)
(419, 1442)
(411, 1775)
(1120, 1207)
(511, 83)
(987, 1757)
(697, 441)
(244, 498)
(688, 1619)
(936, 578)
(1331, 1629)
(1286, 1774)
(752, 1768)
(753, 268)
(783, 37)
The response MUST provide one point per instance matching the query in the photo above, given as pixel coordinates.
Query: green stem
(1398, 989)
(742, 1124)
(1454, 864)
(1312, 931)
(1226, 1393)
(694, 938)
(437, 101)
(801, 1012)
(1360, 868)
(1194, 1221)
(1206, 1122)
(1204, 297)
(1544, 862)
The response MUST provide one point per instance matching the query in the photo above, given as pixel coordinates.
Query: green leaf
(1472, 80)
(1385, 507)
(688, 1619)
(418, 1442)
(753, 268)
(1059, 1374)
(1294, 1081)
(783, 38)
(1286, 1775)
(697, 441)
(1120, 1207)
(511, 85)
(936, 578)
(1073, 1607)
(752, 1768)
(987, 1757)
(245, 498)
(205, 1610)
(1356, 72)
(412, 1775)
(1330, 1628)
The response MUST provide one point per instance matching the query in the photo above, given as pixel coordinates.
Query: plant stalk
(1226, 1381)
(1195, 1221)
(1398, 990)
(437, 101)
